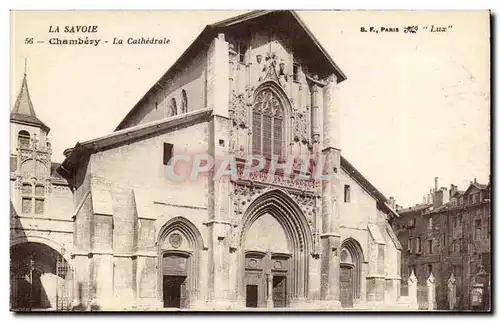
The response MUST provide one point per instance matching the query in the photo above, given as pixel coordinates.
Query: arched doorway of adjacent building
(275, 239)
(350, 272)
(179, 247)
(40, 278)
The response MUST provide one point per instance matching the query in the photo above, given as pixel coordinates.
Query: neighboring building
(135, 238)
(450, 232)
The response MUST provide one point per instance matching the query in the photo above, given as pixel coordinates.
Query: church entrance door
(174, 291)
(279, 291)
(252, 300)
(346, 286)
(175, 281)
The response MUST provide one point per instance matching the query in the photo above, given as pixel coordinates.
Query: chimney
(435, 184)
(453, 189)
(445, 195)
(424, 201)
(475, 181)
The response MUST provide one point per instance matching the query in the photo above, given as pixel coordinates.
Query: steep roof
(23, 111)
(303, 36)
(475, 185)
(372, 190)
(284, 20)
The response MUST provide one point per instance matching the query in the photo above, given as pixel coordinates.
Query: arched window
(23, 138)
(267, 125)
(184, 102)
(172, 108)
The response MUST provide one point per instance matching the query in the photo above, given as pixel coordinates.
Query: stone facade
(449, 233)
(144, 240)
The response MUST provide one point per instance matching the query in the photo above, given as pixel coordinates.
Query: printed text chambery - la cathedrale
(86, 41)
(142, 41)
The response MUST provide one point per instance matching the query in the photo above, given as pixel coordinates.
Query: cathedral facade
(140, 219)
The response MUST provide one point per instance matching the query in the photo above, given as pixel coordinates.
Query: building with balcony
(448, 233)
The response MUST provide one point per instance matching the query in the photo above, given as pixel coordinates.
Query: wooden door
(279, 291)
(252, 299)
(175, 291)
(346, 286)
(255, 289)
(184, 297)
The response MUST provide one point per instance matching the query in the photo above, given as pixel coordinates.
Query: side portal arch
(179, 245)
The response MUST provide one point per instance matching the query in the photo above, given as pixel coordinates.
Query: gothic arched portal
(274, 267)
(351, 260)
(179, 245)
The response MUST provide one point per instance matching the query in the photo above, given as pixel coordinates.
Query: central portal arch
(275, 241)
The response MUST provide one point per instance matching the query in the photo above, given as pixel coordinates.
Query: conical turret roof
(23, 111)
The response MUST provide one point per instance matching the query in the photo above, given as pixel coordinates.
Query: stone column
(452, 291)
(315, 114)
(431, 292)
(413, 290)
(270, 303)
(330, 190)
(219, 224)
(315, 121)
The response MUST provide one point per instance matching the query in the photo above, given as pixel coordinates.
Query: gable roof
(23, 111)
(305, 43)
(475, 185)
(308, 38)
(382, 201)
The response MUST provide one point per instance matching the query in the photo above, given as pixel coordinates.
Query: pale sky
(414, 106)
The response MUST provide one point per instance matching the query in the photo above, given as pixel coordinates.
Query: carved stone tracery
(301, 125)
(240, 111)
(243, 195)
